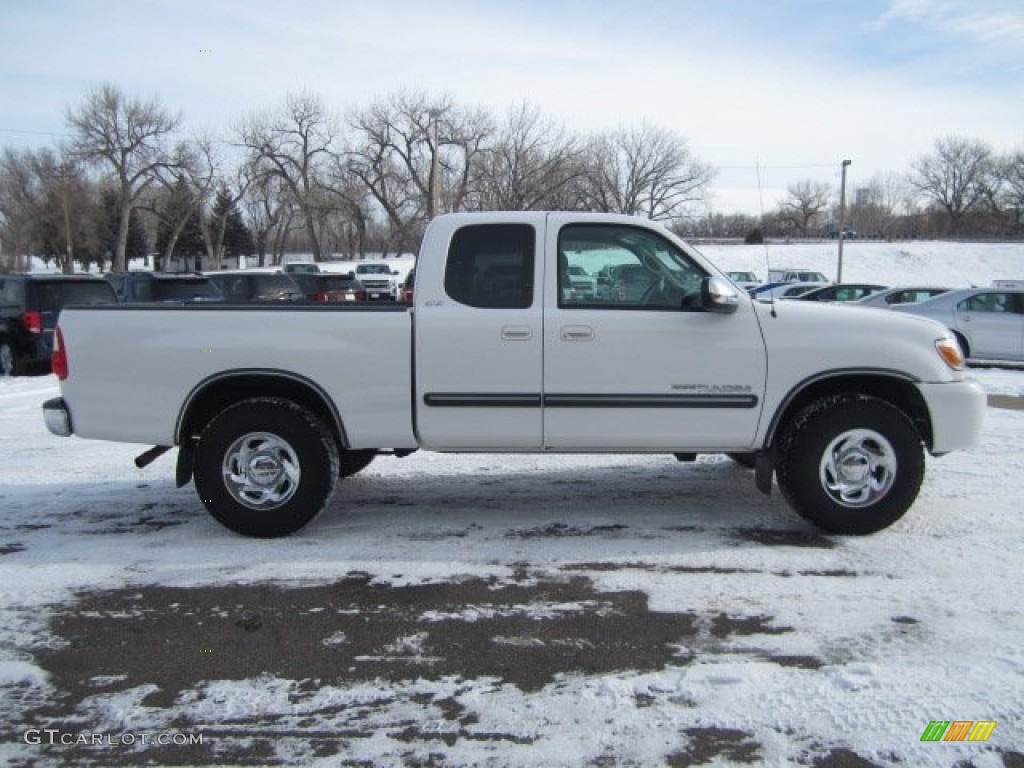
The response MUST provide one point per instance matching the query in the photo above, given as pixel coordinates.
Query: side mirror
(718, 295)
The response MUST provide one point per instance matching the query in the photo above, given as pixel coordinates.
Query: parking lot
(474, 610)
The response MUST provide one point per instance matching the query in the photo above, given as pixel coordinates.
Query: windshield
(373, 269)
(164, 289)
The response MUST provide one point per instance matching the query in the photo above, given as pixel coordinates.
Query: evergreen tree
(238, 240)
(189, 244)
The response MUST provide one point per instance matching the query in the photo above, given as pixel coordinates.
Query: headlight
(949, 350)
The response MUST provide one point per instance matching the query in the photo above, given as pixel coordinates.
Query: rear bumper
(57, 417)
(957, 413)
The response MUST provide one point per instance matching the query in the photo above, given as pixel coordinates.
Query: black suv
(134, 287)
(29, 305)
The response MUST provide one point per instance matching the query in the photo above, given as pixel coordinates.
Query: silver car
(901, 294)
(988, 322)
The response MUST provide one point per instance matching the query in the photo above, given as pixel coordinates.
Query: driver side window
(602, 266)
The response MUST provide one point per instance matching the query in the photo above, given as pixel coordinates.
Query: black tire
(850, 464)
(351, 462)
(744, 459)
(9, 363)
(265, 467)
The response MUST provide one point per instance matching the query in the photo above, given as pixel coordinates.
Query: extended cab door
(633, 362)
(479, 334)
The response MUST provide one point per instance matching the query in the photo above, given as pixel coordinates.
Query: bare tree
(876, 209)
(129, 136)
(531, 164)
(295, 145)
(646, 171)
(1011, 173)
(957, 176)
(47, 205)
(405, 145)
(806, 201)
(268, 206)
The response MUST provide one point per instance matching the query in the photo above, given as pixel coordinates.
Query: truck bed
(178, 349)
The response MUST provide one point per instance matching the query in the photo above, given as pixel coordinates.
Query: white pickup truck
(270, 405)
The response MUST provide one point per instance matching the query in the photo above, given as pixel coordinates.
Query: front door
(479, 336)
(631, 361)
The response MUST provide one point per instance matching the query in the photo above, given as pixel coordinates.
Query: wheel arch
(963, 341)
(891, 386)
(214, 394)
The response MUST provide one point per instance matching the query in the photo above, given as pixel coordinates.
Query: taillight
(322, 296)
(59, 359)
(360, 295)
(32, 321)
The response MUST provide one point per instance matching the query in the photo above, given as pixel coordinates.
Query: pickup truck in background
(379, 280)
(501, 352)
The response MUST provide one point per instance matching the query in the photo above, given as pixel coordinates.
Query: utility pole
(842, 220)
(435, 151)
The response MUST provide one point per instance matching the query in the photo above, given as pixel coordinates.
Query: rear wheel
(265, 467)
(851, 464)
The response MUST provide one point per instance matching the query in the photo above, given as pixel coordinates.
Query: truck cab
(578, 370)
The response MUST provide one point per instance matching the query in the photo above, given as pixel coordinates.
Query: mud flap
(764, 469)
(183, 470)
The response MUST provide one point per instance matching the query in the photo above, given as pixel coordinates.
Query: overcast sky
(790, 86)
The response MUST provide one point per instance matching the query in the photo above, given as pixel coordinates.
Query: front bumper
(57, 417)
(957, 413)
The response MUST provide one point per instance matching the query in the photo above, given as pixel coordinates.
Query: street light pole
(842, 220)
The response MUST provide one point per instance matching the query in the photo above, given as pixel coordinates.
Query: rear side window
(56, 295)
(491, 266)
(11, 292)
(987, 302)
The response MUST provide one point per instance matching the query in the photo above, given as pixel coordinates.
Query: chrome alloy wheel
(858, 468)
(261, 471)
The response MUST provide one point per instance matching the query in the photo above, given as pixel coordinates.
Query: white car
(795, 275)
(988, 322)
(746, 280)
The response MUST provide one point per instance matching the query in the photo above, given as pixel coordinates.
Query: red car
(327, 287)
(410, 280)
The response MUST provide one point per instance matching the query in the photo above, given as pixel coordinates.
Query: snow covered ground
(514, 610)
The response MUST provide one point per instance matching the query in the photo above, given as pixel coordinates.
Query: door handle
(577, 333)
(516, 333)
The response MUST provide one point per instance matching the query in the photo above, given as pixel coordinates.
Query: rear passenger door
(479, 341)
(992, 322)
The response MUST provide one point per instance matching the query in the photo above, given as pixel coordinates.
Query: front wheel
(851, 464)
(265, 467)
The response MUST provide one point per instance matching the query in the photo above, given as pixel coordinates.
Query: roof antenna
(764, 239)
